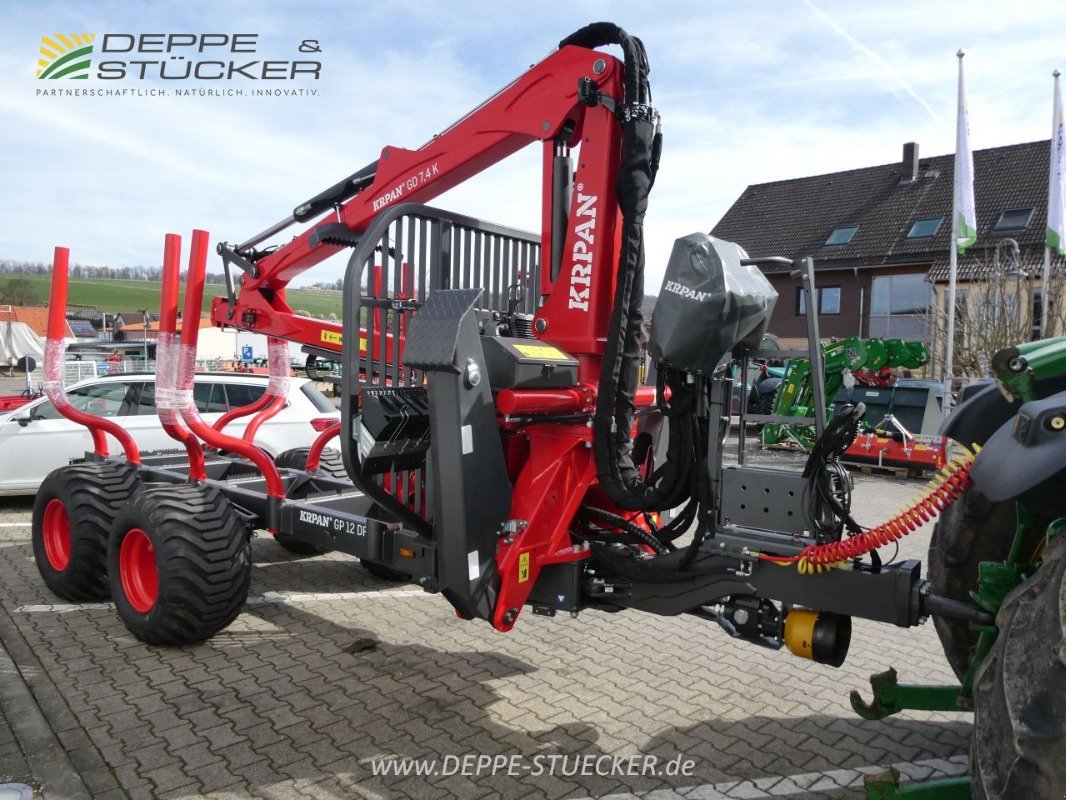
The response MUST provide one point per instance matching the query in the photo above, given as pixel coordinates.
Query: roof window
(842, 234)
(925, 228)
(1013, 219)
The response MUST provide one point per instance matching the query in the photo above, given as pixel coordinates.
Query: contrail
(893, 73)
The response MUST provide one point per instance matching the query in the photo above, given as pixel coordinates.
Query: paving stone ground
(284, 703)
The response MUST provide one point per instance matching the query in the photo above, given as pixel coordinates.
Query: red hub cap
(56, 535)
(137, 569)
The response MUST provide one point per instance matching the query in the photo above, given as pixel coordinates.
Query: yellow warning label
(333, 337)
(545, 351)
(523, 568)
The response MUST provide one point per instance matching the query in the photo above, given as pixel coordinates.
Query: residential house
(880, 237)
(128, 320)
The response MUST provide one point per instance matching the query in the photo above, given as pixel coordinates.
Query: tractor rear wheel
(72, 516)
(178, 564)
(1020, 691)
(971, 530)
(330, 464)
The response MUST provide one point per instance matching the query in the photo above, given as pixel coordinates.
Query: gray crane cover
(709, 303)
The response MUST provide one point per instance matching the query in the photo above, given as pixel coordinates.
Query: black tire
(198, 546)
(72, 516)
(971, 530)
(383, 572)
(764, 404)
(1019, 746)
(330, 464)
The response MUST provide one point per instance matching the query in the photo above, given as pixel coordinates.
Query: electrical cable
(948, 485)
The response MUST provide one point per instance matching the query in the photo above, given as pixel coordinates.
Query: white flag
(1056, 220)
(965, 216)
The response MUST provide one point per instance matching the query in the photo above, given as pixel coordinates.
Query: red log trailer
(495, 445)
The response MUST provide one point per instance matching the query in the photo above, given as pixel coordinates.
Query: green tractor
(1002, 544)
(795, 396)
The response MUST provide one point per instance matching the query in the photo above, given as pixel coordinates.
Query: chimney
(910, 162)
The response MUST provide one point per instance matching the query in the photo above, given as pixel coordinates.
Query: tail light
(321, 423)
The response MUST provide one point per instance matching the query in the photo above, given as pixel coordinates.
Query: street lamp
(145, 312)
(1012, 271)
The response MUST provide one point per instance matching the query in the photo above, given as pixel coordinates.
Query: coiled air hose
(944, 489)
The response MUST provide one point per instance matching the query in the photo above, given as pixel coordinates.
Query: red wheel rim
(56, 535)
(137, 569)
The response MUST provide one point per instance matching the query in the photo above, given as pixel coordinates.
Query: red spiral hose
(948, 486)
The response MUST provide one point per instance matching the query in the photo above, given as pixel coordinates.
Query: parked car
(35, 439)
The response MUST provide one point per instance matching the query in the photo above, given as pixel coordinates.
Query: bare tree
(995, 307)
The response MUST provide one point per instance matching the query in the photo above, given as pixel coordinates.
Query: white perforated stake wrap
(166, 365)
(185, 375)
(55, 352)
(278, 362)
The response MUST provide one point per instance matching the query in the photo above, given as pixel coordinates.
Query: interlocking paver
(275, 707)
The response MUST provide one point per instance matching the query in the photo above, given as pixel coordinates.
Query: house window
(925, 228)
(841, 235)
(1035, 331)
(828, 300)
(899, 307)
(1013, 219)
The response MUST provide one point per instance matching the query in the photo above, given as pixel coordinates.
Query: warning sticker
(543, 351)
(523, 568)
(334, 337)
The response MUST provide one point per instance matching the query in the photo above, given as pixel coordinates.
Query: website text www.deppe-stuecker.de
(541, 764)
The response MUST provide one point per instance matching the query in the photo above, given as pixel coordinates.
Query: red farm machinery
(497, 447)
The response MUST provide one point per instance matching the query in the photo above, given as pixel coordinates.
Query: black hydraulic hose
(634, 530)
(641, 148)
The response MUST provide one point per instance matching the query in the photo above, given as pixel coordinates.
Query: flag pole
(953, 273)
(953, 264)
(1056, 222)
(1045, 293)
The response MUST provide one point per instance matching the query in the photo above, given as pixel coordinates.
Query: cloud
(749, 93)
(882, 63)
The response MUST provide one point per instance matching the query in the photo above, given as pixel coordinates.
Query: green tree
(17, 292)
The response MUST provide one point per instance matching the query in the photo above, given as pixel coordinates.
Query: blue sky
(749, 92)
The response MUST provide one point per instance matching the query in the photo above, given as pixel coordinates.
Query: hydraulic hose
(615, 408)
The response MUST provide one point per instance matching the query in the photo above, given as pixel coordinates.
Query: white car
(35, 439)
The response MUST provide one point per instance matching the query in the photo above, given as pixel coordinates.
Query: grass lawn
(117, 295)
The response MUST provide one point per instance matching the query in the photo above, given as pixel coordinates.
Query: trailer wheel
(1020, 691)
(72, 516)
(384, 573)
(331, 464)
(178, 564)
(971, 530)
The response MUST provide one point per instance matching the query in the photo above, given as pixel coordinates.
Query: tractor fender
(1024, 452)
(979, 417)
(986, 411)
